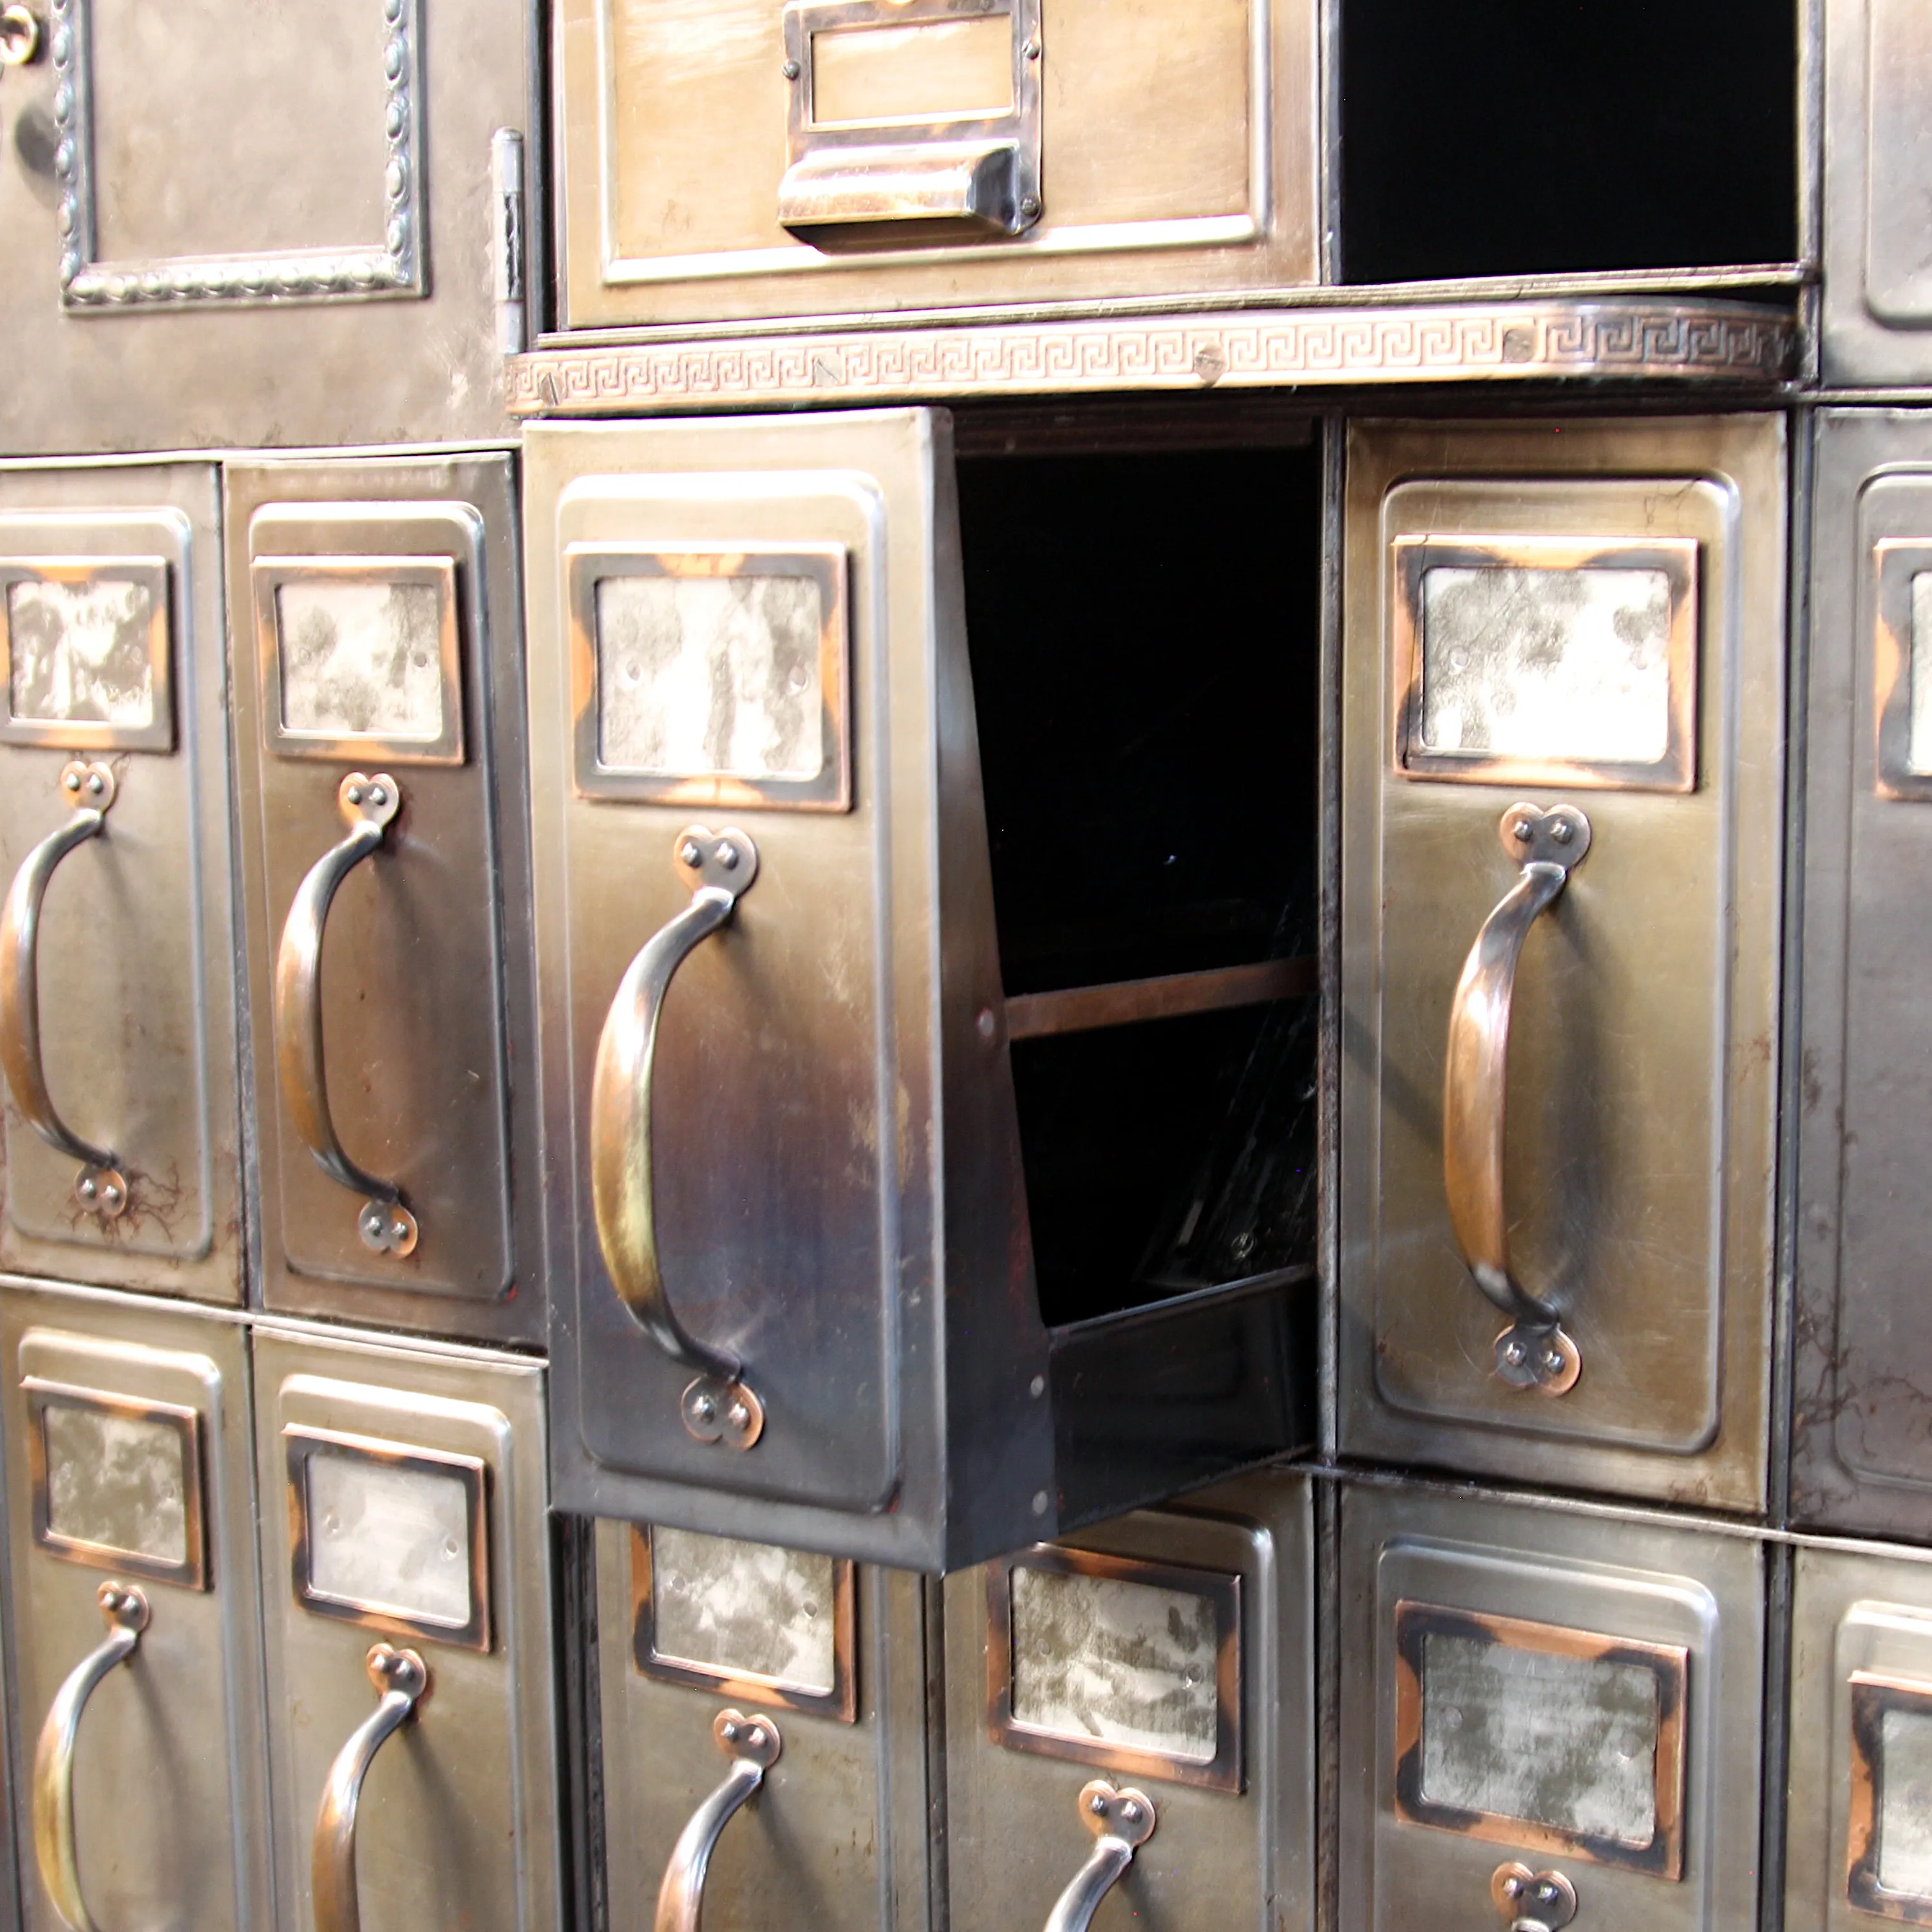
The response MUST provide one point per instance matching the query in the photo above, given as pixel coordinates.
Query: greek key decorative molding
(1466, 342)
(393, 267)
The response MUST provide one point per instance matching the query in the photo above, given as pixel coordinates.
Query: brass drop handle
(1121, 1822)
(717, 1405)
(1533, 1352)
(402, 1679)
(368, 804)
(124, 1611)
(752, 1744)
(1533, 1901)
(20, 36)
(99, 1186)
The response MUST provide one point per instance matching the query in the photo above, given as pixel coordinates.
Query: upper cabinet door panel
(376, 652)
(1562, 807)
(117, 1018)
(242, 224)
(751, 159)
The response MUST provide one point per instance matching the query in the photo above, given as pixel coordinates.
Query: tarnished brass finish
(99, 1188)
(719, 869)
(1533, 1352)
(1533, 1901)
(1121, 1822)
(368, 803)
(124, 1611)
(401, 1679)
(1871, 1697)
(752, 1744)
(20, 36)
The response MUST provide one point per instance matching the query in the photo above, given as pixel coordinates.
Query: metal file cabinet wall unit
(1130, 1729)
(1863, 1343)
(1545, 1716)
(823, 1263)
(410, 1637)
(376, 630)
(134, 1704)
(1562, 843)
(217, 235)
(764, 1736)
(117, 1004)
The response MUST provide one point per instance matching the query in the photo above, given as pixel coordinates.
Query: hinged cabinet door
(117, 1005)
(1561, 811)
(375, 639)
(136, 1677)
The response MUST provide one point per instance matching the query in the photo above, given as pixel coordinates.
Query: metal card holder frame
(586, 566)
(1223, 1772)
(152, 574)
(303, 1444)
(840, 1702)
(1873, 1696)
(192, 1572)
(1412, 556)
(1896, 563)
(1669, 1664)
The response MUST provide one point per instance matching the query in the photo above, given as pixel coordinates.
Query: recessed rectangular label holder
(117, 1482)
(1902, 667)
(1892, 1783)
(1132, 1666)
(1545, 660)
(702, 675)
(390, 1536)
(1595, 1701)
(85, 653)
(745, 1620)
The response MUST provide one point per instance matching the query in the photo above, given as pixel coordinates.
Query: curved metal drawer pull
(124, 1611)
(1121, 1822)
(99, 1187)
(752, 1744)
(1533, 1352)
(719, 869)
(368, 803)
(403, 1679)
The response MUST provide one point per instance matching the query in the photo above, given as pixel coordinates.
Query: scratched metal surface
(1905, 1804)
(361, 658)
(744, 1607)
(397, 1540)
(79, 651)
(116, 1481)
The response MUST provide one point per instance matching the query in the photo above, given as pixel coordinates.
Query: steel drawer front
(116, 1005)
(1862, 1339)
(242, 226)
(1546, 1715)
(837, 156)
(1855, 1851)
(1563, 717)
(1164, 1662)
(406, 1572)
(131, 1513)
(819, 1669)
(376, 641)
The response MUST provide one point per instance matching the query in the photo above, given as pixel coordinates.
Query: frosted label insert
(1918, 746)
(116, 1482)
(1547, 664)
(1567, 1742)
(710, 676)
(1119, 1662)
(744, 1609)
(361, 658)
(81, 653)
(1905, 1794)
(391, 1540)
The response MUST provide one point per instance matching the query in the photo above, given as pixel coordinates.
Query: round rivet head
(1039, 1502)
(1522, 830)
(1562, 831)
(111, 1195)
(1552, 1360)
(1515, 1353)
(1097, 1805)
(704, 1409)
(1131, 1812)
(1029, 205)
(354, 794)
(688, 853)
(72, 781)
(755, 1737)
(728, 1731)
(89, 1188)
(728, 855)
(96, 784)
(377, 795)
(738, 1415)
(790, 69)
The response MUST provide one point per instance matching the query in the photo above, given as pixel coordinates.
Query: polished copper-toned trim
(268, 574)
(1410, 556)
(192, 1572)
(1871, 1697)
(471, 1471)
(840, 1702)
(92, 734)
(586, 565)
(1663, 1857)
(1223, 1772)
(1170, 996)
(1896, 561)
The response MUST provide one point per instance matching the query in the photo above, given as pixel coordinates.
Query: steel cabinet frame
(1640, 1136)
